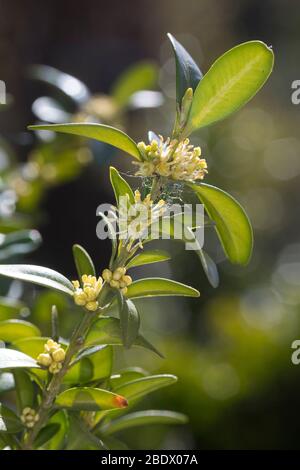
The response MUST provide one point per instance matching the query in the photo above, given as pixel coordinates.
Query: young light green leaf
(188, 74)
(148, 257)
(11, 359)
(231, 222)
(141, 387)
(107, 134)
(37, 275)
(157, 286)
(126, 375)
(129, 320)
(90, 399)
(9, 421)
(107, 330)
(140, 76)
(83, 261)
(10, 308)
(13, 330)
(142, 418)
(30, 346)
(230, 83)
(24, 389)
(120, 186)
(45, 434)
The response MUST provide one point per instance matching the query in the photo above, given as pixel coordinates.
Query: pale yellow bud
(59, 355)
(44, 359)
(107, 275)
(127, 279)
(124, 290)
(76, 284)
(92, 306)
(114, 284)
(55, 367)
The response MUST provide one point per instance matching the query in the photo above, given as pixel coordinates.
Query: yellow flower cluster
(52, 357)
(173, 159)
(29, 417)
(117, 278)
(87, 294)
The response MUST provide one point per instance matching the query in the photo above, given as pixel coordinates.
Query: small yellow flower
(52, 357)
(59, 355)
(118, 279)
(172, 159)
(55, 367)
(29, 417)
(86, 296)
(44, 359)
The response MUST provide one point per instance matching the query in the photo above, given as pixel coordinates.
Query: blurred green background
(232, 349)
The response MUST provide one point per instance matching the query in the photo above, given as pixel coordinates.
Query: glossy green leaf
(83, 261)
(24, 389)
(140, 76)
(143, 418)
(13, 330)
(90, 399)
(101, 132)
(9, 421)
(126, 375)
(120, 186)
(230, 82)
(80, 437)
(93, 364)
(156, 286)
(7, 382)
(107, 330)
(11, 359)
(231, 222)
(129, 320)
(148, 257)
(45, 434)
(37, 275)
(188, 74)
(141, 387)
(31, 346)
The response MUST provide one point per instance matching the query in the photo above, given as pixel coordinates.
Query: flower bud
(59, 355)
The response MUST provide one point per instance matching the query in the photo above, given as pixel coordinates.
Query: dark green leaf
(38, 275)
(120, 186)
(24, 389)
(9, 421)
(46, 434)
(129, 320)
(188, 74)
(83, 261)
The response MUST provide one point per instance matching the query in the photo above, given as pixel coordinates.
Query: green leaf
(188, 74)
(107, 330)
(148, 257)
(10, 308)
(37, 275)
(65, 83)
(109, 135)
(140, 76)
(31, 346)
(142, 418)
(230, 82)
(126, 375)
(12, 330)
(45, 434)
(83, 261)
(157, 286)
(129, 320)
(90, 399)
(7, 382)
(208, 264)
(80, 437)
(231, 222)
(93, 364)
(120, 186)
(9, 421)
(141, 387)
(11, 359)
(57, 441)
(18, 243)
(24, 389)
